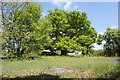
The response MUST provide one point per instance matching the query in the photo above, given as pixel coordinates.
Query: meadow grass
(90, 67)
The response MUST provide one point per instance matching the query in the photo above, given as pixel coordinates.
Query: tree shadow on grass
(35, 77)
(52, 77)
(118, 60)
(114, 76)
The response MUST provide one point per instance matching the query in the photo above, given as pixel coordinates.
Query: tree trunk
(63, 52)
(87, 50)
(118, 52)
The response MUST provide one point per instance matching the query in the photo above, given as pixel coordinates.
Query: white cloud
(114, 27)
(56, 2)
(67, 5)
(79, 10)
(97, 47)
(43, 14)
(59, 3)
(75, 7)
(103, 42)
(101, 33)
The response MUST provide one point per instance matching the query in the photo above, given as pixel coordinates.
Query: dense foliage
(24, 31)
(71, 31)
(112, 42)
(112, 45)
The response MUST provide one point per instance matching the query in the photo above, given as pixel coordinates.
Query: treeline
(24, 31)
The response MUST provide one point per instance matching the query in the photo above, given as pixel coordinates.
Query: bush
(97, 53)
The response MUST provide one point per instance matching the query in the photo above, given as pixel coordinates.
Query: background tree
(112, 45)
(100, 38)
(8, 11)
(22, 27)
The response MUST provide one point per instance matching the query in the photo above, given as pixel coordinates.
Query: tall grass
(96, 66)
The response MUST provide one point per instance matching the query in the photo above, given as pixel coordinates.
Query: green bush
(97, 53)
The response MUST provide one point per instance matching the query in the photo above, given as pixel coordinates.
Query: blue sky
(101, 14)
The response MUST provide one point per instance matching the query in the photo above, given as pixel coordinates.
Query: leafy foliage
(24, 31)
(100, 38)
(72, 30)
(112, 45)
(22, 28)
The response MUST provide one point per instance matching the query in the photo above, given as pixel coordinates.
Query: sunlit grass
(95, 66)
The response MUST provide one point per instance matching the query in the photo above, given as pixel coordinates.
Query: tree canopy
(112, 45)
(71, 31)
(22, 28)
(24, 31)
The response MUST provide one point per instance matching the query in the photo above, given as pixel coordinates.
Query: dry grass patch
(61, 70)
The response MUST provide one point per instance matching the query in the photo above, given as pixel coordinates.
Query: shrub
(97, 53)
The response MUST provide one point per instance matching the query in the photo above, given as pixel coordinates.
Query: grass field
(63, 67)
